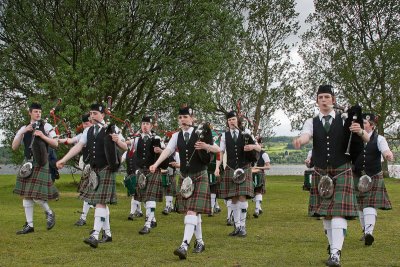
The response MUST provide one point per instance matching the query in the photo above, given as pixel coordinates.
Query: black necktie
(234, 136)
(327, 125)
(96, 130)
(186, 137)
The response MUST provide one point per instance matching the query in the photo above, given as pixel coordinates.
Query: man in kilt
(38, 187)
(83, 161)
(259, 173)
(329, 158)
(369, 163)
(169, 180)
(103, 191)
(193, 163)
(233, 142)
(147, 149)
(130, 180)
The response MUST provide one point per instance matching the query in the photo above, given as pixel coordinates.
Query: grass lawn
(282, 236)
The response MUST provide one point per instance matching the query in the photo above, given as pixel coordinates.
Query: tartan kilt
(153, 190)
(170, 190)
(229, 189)
(377, 197)
(261, 188)
(343, 202)
(214, 187)
(200, 201)
(38, 186)
(106, 191)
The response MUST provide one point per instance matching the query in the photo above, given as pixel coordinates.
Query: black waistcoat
(131, 166)
(186, 151)
(95, 146)
(261, 162)
(234, 151)
(145, 155)
(329, 148)
(28, 139)
(370, 160)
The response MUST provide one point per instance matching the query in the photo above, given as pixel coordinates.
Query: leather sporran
(364, 183)
(93, 180)
(326, 187)
(187, 187)
(141, 179)
(26, 169)
(238, 176)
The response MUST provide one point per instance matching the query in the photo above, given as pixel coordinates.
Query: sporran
(326, 187)
(364, 184)
(187, 187)
(238, 176)
(26, 169)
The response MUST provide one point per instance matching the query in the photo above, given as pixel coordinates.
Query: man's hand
(60, 164)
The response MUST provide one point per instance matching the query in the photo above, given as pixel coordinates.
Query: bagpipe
(204, 134)
(251, 156)
(355, 144)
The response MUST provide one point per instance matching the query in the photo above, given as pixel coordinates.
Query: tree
(262, 75)
(148, 56)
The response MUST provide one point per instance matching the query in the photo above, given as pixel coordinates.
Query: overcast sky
(304, 8)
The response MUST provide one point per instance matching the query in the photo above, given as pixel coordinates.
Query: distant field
(282, 236)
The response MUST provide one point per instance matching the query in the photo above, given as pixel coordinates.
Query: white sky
(304, 8)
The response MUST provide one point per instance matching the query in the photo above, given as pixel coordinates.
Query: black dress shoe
(105, 238)
(145, 230)
(153, 224)
(51, 219)
(333, 261)
(242, 232)
(26, 230)
(131, 216)
(91, 241)
(138, 214)
(80, 222)
(198, 247)
(369, 239)
(256, 214)
(235, 232)
(181, 252)
(217, 210)
(166, 211)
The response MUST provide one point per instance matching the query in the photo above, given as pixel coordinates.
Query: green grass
(282, 236)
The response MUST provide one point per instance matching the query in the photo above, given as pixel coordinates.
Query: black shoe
(217, 210)
(256, 214)
(369, 239)
(333, 261)
(131, 216)
(91, 241)
(80, 222)
(51, 219)
(26, 230)
(153, 224)
(181, 252)
(198, 247)
(235, 232)
(260, 211)
(138, 214)
(242, 232)
(229, 222)
(145, 230)
(166, 210)
(105, 238)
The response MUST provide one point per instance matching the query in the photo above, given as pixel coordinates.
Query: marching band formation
(196, 165)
